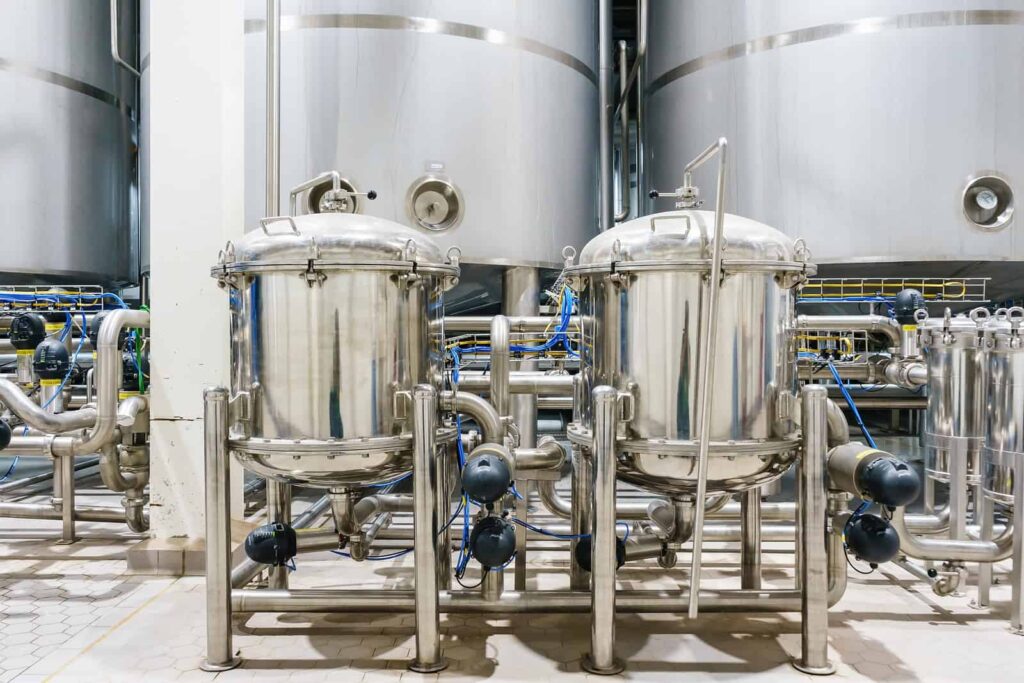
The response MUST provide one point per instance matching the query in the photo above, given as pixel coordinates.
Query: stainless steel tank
(474, 120)
(643, 284)
(878, 131)
(330, 324)
(1004, 437)
(66, 130)
(954, 424)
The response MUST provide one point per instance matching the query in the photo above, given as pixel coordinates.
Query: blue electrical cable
(853, 406)
(390, 483)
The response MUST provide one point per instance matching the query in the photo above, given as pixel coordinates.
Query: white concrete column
(196, 77)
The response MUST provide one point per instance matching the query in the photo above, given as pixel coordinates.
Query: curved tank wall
(856, 125)
(67, 165)
(498, 97)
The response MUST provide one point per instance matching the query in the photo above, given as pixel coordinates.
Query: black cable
(862, 573)
(477, 585)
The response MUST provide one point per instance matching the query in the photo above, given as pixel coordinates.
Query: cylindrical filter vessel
(68, 163)
(476, 121)
(878, 131)
(643, 284)
(954, 424)
(1004, 437)
(330, 330)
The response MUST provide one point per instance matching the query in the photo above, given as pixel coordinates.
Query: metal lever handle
(115, 48)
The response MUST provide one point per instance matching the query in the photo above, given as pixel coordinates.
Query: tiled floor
(71, 613)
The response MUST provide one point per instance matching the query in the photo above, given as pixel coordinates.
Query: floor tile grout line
(124, 620)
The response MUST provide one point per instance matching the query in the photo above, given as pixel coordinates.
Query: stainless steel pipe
(963, 550)
(220, 654)
(603, 565)
(273, 131)
(483, 413)
(500, 366)
(521, 296)
(750, 530)
(12, 396)
(876, 324)
(428, 631)
(535, 383)
(813, 552)
(518, 324)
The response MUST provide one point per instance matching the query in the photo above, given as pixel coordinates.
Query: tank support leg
(219, 650)
(601, 658)
(279, 509)
(750, 533)
(424, 488)
(812, 515)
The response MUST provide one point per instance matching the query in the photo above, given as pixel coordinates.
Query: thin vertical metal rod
(641, 106)
(706, 363)
(428, 629)
(273, 189)
(812, 514)
(601, 658)
(623, 212)
(1017, 557)
(279, 509)
(66, 465)
(605, 72)
(750, 533)
(219, 650)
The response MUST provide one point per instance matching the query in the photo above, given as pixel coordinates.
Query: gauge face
(988, 202)
(434, 203)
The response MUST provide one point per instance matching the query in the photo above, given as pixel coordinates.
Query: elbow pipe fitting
(483, 413)
(878, 324)
(949, 549)
(548, 455)
(21, 405)
(838, 426)
(108, 364)
(873, 475)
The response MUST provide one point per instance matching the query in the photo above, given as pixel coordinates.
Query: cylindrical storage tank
(954, 423)
(643, 285)
(476, 121)
(330, 328)
(880, 132)
(1004, 436)
(67, 167)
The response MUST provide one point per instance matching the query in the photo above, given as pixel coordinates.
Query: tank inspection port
(988, 202)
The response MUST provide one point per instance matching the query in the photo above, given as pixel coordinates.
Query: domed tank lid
(682, 240)
(334, 241)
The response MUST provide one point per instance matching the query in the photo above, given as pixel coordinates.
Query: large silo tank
(498, 98)
(856, 125)
(66, 128)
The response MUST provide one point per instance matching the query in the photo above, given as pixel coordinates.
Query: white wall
(196, 193)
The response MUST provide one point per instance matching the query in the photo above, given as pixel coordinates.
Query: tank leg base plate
(587, 664)
(826, 670)
(430, 668)
(226, 666)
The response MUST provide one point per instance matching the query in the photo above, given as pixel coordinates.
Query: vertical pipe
(1017, 557)
(273, 189)
(66, 466)
(750, 532)
(493, 584)
(641, 106)
(522, 511)
(601, 658)
(605, 211)
(428, 630)
(500, 359)
(219, 651)
(581, 515)
(624, 198)
(706, 364)
(958, 489)
(984, 513)
(279, 509)
(814, 570)
(521, 297)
